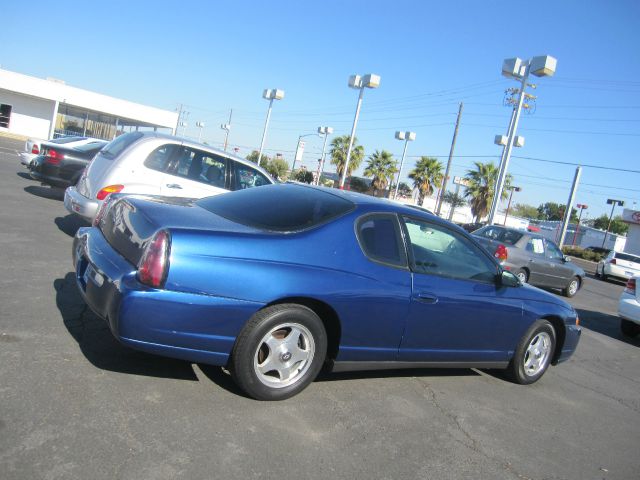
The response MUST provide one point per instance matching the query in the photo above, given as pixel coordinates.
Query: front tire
(629, 328)
(522, 275)
(279, 352)
(573, 287)
(533, 354)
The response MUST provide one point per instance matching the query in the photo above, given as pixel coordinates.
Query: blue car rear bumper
(193, 327)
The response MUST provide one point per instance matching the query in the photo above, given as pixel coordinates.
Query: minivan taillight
(154, 264)
(612, 261)
(35, 149)
(102, 194)
(54, 157)
(631, 286)
(501, 253)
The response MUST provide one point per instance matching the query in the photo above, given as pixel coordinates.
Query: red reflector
(154, 263)
(35, 149)
(501, 253)
(102, 194)
(54, 157)
(631, 286)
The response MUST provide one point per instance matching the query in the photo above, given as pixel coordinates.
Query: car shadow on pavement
(222, 379)
(327, 375)
(51, 193)
(605, 324)
(100, 347)
(24, 175)
(70, 224)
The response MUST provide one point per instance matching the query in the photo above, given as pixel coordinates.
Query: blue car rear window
(279, 208)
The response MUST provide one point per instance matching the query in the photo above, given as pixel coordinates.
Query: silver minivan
(158, 164)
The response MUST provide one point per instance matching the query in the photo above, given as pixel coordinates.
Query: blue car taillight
(154, 264)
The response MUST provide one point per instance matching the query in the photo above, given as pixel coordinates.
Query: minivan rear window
(278, 208)
(628, 257)
(117, 146)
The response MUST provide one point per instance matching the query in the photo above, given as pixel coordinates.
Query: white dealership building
(48, 108)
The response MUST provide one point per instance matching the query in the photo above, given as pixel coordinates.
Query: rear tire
(279, 352)
(533, 354)
(629, 328)
(522, 275)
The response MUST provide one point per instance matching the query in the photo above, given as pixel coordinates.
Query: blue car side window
(380, 239)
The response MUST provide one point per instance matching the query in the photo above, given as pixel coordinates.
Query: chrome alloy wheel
(573, 287)
(537, 354)
(284, 355)
(522, 276)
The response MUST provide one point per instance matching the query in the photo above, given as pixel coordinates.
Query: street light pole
(516, 189)
(613, 203)
(516, 68)
(443, 187)
(407, 137)
(582, 207)
(227, 128)
(271, 95)
(567, 210)
(300, 149)
(356, 81)
(200, 125)
(326, 131)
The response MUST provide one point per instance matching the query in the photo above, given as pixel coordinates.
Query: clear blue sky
(213, 56)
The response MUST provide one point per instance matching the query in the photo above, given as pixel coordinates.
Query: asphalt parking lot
(74, 404)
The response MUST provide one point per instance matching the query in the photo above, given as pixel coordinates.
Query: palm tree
(381, 167)
(426, 176)
(453, 199)
(338, 152)
(481, 187)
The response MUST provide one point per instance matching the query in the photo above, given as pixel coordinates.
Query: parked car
(273, 282)
(159, 164)
(33, 146)
(629, 308)
(472, 227)
(622, 266)
(62, 166)
(532, 258)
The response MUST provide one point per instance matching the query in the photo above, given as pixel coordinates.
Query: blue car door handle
(425, 297)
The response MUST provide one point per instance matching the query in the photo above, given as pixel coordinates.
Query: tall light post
(227, 128)
(407, 137)
(613, 203)
(200, 125)
(516, 68)
(582, 207)
(270, 94)
(300, 149)
(356, 81)
(184, 127)
(513, 189)
(326, 131)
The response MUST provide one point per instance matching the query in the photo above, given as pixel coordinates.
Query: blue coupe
(275, 282)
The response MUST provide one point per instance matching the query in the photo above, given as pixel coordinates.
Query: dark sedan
(274, 282)
(532, 258)
(61, 166)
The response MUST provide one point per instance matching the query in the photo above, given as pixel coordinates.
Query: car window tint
(160, 158)
(553, 252)
(510, 237)
(117, 146)
(280, 208)
(628, 257)
(490, 232)
(247, 177)
(380, 239)
(436, 250)
(214, 170)
(536, 246)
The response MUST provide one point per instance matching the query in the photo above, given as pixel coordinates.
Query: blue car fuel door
(458, 313)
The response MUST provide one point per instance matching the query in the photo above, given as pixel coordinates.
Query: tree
(338, 152)
(404, 189)
(555, 211)
(482, 185)
(277, 168)
(253, 157)
(427, 176)
(303, 175)
(525, 211)
(453, 199)
(617, 225)
(381, 167)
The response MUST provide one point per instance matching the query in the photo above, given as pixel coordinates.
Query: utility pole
(446, 173)
(613, 203)
(567, 210)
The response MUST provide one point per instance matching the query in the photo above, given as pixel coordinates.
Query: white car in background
(33, 146)
(152, 163)
(618, 265)
(629, 308)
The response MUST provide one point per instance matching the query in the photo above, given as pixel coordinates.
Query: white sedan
(629, 308)
(618, 265)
